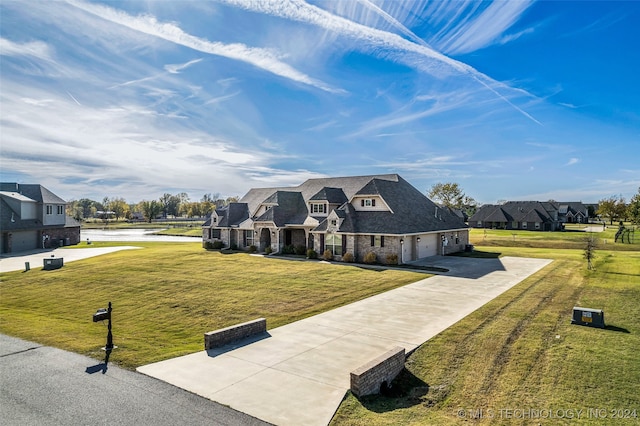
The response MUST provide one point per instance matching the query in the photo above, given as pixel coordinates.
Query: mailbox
(101, 315)
(587, 316)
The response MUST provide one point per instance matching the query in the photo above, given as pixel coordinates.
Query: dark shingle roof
(289, 208)
(514, 211)
(332, 195)
(349, 185)
(232, 214)
(411, 212)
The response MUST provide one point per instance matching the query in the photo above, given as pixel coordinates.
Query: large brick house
(383, 214)
(32, 217)
(529, 215)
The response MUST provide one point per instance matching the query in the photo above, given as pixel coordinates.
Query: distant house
(529, 215)
(33, 217)
(383, 214)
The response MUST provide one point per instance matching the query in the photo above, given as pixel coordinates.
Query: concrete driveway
(298, 374)
(10, 262)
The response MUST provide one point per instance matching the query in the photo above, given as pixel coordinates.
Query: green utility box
(53, 263)
(587, 316)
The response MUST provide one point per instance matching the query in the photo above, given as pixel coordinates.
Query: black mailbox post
(102, 315)
(587, 316)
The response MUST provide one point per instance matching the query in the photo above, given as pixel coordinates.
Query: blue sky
(512, 100)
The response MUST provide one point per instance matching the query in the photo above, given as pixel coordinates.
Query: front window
(60, 209)
(49, 209)
(248, 237)
(215, 233)
(333, 242)
(318, 208)
(377, 241)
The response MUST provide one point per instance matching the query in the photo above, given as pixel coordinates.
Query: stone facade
(368, 379)
(223, 336)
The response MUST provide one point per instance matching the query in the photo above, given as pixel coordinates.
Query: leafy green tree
(150, 209)
(609, 208)
(119, 207)
(74, 209)
(89, 207)
(633, 210)
(450, 194)
(165, 200)
(620, 209)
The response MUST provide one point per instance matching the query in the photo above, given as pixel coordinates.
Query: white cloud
(475, 32)
(572, 161)
(176, 68)
(37, 49)
(388, 45)
(262, 58)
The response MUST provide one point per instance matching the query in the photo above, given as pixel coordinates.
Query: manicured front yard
(166, 296)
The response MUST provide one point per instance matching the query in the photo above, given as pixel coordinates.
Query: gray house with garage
(529, 215)
(381, 214)
(33, 217)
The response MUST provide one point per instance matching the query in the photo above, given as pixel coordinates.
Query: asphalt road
(41, 385)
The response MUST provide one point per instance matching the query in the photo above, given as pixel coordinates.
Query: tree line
(168, 205)
(615, 208)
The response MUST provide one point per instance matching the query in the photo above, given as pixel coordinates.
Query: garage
(428, 245)
(23, 240)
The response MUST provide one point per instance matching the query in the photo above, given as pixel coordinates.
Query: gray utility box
(53, 263)
(587, 316)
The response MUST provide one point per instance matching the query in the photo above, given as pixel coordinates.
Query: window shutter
(344, 244)
(382, 241)
(373, 203)
(373, 241)
(362, 203)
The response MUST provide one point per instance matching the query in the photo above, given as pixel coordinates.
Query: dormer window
(318, 208)
(334, 222)
(368, 202)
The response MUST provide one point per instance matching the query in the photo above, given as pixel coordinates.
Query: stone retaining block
(368, 379)
(221, 337)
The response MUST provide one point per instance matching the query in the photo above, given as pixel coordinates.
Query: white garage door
(428, 245)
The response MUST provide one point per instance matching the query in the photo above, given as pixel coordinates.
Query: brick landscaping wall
(221, 337)
(367, 379)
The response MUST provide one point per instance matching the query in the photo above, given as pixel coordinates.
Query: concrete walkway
(9, 262)
(298, 374)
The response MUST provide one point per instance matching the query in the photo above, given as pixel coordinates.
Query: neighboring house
(529, 215)
(383, 214)
(33, 217)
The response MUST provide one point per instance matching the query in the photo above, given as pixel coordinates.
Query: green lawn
(517, 352)
(572, 238)
(520, 352)
(165, 296)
